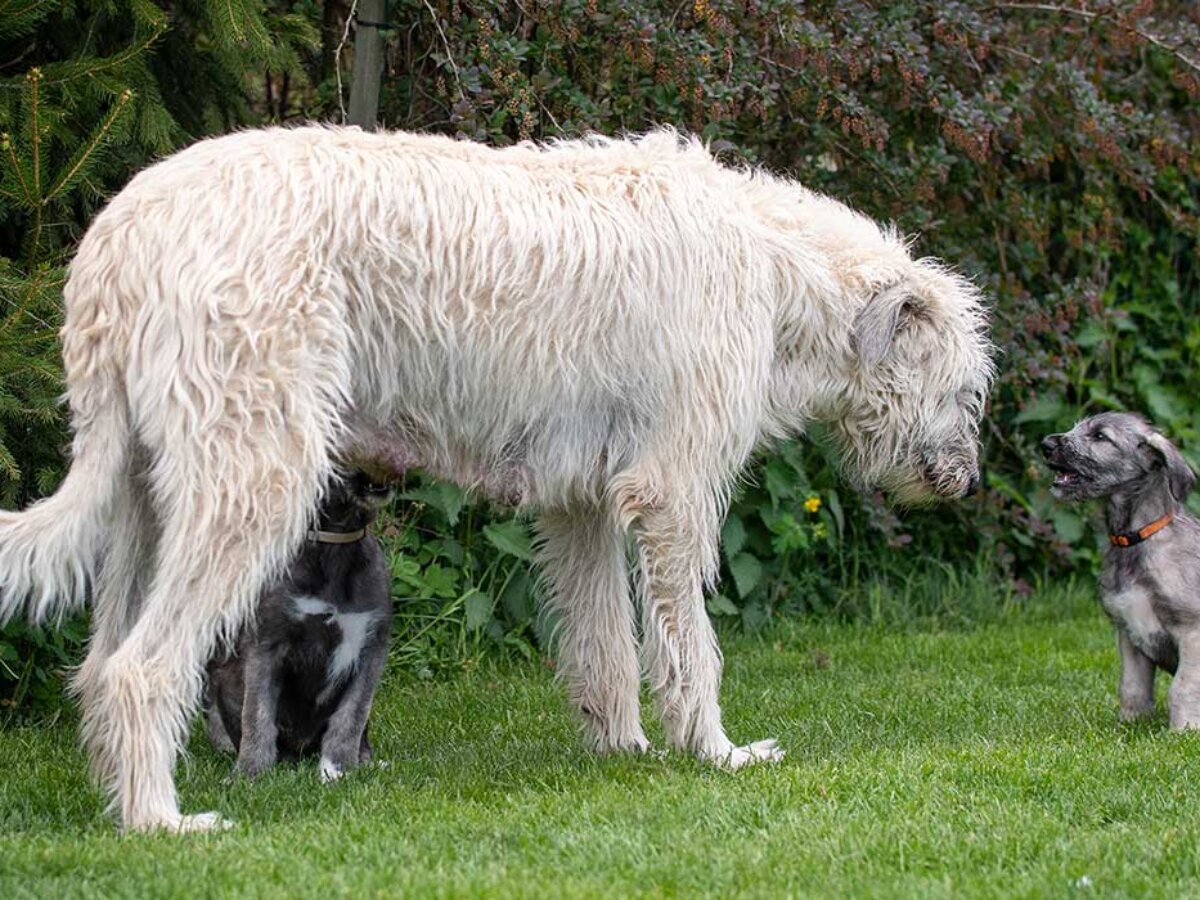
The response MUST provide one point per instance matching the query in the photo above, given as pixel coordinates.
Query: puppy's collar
(337, 537)
(1129, 538)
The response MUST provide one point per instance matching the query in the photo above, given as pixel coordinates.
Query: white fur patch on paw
(201, 822)
(739, 757)
(329, 771)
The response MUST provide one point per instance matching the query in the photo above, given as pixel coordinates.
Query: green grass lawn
(980, 762)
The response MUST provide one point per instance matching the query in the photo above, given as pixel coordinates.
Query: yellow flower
(812, 504)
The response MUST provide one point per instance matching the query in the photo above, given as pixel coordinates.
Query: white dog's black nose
(1050, 443)
(972, 485)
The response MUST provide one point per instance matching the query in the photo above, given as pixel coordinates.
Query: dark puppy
(302, 679)
(1150, 583)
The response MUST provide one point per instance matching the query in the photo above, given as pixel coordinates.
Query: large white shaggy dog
(599, 330)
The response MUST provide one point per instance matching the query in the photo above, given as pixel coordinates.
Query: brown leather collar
(337, 537)
(1136, 537)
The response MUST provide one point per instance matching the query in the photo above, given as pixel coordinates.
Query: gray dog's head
(1114, 453)
(353, 502)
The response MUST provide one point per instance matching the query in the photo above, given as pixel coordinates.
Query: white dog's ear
(877, 322)
(1180, 476)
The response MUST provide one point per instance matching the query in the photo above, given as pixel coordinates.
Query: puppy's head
(1114, 453)
(353, 502)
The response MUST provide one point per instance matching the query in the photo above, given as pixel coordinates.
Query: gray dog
(1150, 583)
(302, 680)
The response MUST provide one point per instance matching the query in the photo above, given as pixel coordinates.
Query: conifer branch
(72, 170)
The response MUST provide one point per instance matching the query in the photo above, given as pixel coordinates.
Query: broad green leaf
(780, 481)
(517, 598)
(448, 499)
(733, 535)
(438, 581)
(478, 607)
(511, 537)
(747, 572)
(754, 616)
(720, 605)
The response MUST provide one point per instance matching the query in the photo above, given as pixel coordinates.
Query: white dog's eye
(1100, 436)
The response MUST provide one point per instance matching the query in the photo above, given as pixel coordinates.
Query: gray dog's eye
(1100, 436)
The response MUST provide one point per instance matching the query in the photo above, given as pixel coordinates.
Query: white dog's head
(920, 373)
(899, 358)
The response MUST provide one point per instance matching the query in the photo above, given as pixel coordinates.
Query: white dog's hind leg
(582, 556)
(682, 656)
(116, 602)
(233, 509)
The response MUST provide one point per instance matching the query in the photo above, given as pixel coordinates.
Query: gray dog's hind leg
(345, 739)
(1137, 680)
(1185, 689)
(260, 731)
(218, 734)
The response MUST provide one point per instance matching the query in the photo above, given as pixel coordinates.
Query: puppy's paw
(1136, 712)
(733, 758)
(330, 771)
(252, 768)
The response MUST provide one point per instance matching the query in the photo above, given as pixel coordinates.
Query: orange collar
(1136, 537)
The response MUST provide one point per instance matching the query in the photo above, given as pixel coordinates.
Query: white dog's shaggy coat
(602, 330)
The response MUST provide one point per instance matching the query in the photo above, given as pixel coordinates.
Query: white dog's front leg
(682, 657)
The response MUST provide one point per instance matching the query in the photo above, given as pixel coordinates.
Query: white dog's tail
(49, 551)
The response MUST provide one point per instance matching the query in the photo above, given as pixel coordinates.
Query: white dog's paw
(329, 771)
(179, 824)
(201, 822)
(734, 758)
(634, 742)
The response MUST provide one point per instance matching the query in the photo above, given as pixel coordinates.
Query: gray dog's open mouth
(1065, 477)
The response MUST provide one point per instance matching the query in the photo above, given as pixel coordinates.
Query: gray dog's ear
(1180, 476)
(876, 324)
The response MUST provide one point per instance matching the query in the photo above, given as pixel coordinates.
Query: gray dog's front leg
(1137, 680)
(258, 750)
(1185, 689)
(343, 745)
